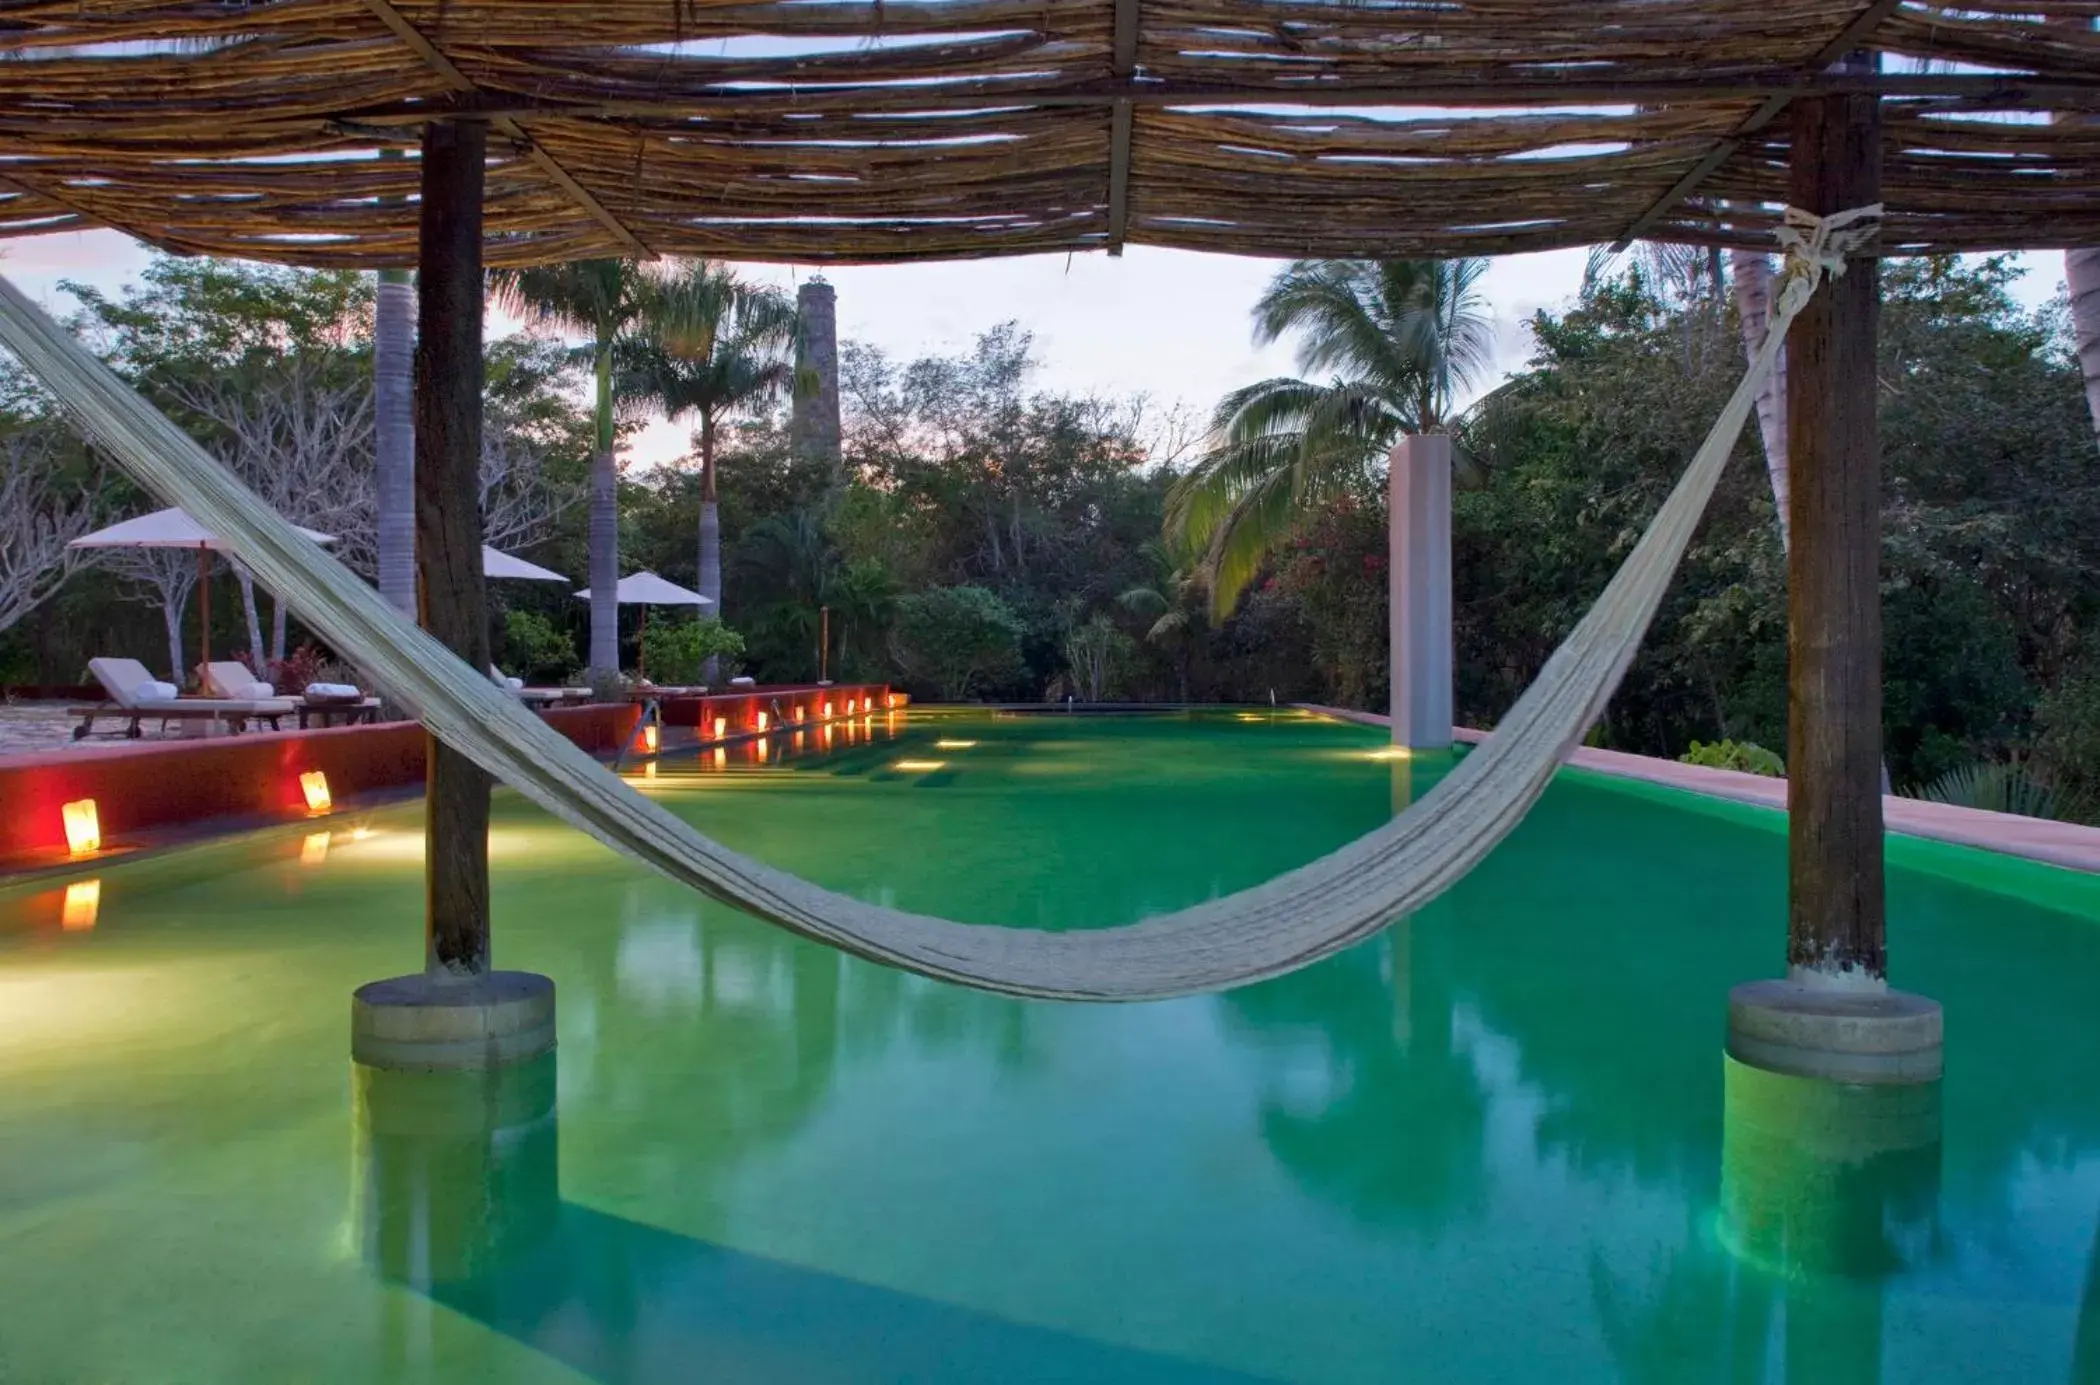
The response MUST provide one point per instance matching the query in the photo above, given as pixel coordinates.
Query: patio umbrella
(496, 563)
(646, 589)
(171, 528)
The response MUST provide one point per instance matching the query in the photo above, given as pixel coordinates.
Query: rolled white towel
(256, 692)
(156, 692)
(319, 690)
(514, 684)
(743, 682)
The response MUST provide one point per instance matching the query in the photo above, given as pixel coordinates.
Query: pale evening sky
(1169, 324)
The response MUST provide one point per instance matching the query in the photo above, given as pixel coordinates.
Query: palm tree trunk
(2082, 273)
(1752, 276)
(710, 570)
(605, 529)
(256, 652)
(394, 438)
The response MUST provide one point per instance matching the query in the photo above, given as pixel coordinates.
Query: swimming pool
(1486, 1146)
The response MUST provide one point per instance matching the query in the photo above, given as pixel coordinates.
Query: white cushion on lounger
(152, 691)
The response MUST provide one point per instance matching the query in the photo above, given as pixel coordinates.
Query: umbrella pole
(203, 609)
(641, 647)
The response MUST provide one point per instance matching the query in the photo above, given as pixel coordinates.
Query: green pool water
(1490, 1145)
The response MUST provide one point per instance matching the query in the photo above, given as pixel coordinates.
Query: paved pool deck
(2056, 843)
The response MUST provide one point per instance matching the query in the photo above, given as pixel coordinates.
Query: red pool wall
(741, 709)
(139, 788)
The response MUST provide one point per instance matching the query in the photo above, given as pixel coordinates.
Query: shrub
(290, 675)
(2067, 740)
(956, 637)
(1095, 652)
(1998, 787)
(676, 652)
(1747, 756)
(534, 650)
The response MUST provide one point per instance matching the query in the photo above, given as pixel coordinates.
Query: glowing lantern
(761, 721)
(649, 738)
(314, 784)
(827, 710)
(314, 850)
(83, 827)
(721, 727)
(83, 902)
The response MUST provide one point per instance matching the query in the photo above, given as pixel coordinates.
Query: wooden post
(1835, 913)
(448, 528)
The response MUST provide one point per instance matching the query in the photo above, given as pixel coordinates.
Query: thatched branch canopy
(843, 130)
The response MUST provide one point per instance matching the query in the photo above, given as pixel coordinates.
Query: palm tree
(1403, 338)
(602, 300)
(2082, 273)
(710, 346)
(1175, 604)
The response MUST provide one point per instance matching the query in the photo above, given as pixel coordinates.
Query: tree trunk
(2082, 273)
(394, 438)
(171, 614)
(710, 569)
(448, 530)
(605, 530)
(257, 652)
(1752, 276)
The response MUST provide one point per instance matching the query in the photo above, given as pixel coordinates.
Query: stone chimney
(814, 428)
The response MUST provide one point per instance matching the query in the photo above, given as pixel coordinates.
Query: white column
(1420, 574)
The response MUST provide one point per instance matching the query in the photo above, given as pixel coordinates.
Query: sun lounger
(135, 697)
(326, 703)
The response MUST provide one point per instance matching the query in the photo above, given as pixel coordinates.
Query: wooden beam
(1835, 919)
(707, 102)
(448, 528)
(1856, 32)
(1123, 62)
(434, 58)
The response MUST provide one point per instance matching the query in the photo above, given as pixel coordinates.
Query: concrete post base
(1837, 1034)
(457, 1173)
(1827, 1178)
(425, 1023)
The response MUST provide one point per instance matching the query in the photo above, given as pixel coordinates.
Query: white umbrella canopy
(169, 528)
(496, 563)
(173, 528)
(647, 589)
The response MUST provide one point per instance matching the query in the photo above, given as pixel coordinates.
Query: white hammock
(1287, 923)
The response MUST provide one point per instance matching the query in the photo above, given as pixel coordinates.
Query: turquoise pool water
(1488, 1146)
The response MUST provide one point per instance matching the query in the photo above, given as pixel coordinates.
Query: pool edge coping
(2062, 844)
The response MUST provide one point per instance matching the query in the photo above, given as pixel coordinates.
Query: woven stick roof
(851, 130)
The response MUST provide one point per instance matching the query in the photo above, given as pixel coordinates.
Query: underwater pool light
(314, 784)
(918, 766)
(954, 745)
(1389, 752)
(83, 826)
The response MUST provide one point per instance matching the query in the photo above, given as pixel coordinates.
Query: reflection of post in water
(1403, 768)
(1831, 1189)
(455, 1172)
